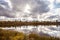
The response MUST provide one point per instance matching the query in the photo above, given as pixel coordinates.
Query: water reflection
(51, 30)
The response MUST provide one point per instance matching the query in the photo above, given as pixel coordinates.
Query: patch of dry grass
(13, 35)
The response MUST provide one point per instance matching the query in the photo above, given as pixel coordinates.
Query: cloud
(6, 4)
(18, 5)
(20, 8)
(57, 3)
(40, 7)
(6, 8)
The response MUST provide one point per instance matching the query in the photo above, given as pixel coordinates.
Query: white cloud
(21, 8)
(57, 1)
(27, 8)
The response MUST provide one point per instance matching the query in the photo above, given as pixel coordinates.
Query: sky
(30, 9)
(44, 10)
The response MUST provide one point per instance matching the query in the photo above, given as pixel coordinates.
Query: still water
(51, 30)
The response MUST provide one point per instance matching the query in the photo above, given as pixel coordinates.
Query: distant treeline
(13, 35)
(20, 23)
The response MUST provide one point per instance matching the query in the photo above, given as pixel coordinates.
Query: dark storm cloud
(5, 8)
(51, 17)
(6, 13)
(40, 6)
(37, 6)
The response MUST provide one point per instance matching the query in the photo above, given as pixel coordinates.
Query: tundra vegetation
(14, 35)
(20, 23)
